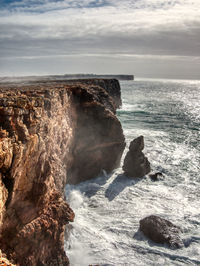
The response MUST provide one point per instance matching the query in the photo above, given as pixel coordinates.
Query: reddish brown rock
(4, 261)
(50, 134)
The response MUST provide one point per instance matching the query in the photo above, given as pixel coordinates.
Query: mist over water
(108, 208)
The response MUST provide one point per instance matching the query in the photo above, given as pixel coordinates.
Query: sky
(147, 38)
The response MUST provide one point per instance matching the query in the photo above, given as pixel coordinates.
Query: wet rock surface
(161, 231)
(51, 133)
(135, 163)
(156, 176)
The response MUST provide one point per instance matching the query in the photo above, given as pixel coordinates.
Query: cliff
(66, 77)
(50, 134)
(111, 86)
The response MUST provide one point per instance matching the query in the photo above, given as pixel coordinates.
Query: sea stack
(135, 163)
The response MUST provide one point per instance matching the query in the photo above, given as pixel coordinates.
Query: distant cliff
(94, 76)
(63, 77)
(51, 133)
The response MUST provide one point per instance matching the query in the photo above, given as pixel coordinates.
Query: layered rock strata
(111, 86)
(135, 163)
(50, 134)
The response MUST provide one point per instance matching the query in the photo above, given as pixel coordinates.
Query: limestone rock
(135, 163)
(98, 141)
(51, 133)
(4, 261)
(111, 89)
(161, 231)
(3, 199)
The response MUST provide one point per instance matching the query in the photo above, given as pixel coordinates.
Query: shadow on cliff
(119, 184)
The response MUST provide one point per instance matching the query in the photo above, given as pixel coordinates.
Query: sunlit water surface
(108, 208)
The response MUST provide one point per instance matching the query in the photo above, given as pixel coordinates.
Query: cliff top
(54, 78)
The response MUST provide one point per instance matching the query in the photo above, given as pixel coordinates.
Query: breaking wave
(108, 208)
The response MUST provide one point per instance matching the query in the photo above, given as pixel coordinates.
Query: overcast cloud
(150, 38)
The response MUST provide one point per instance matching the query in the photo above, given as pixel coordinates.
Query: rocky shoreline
(51, 133)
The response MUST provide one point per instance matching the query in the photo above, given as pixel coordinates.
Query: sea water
(109, 207)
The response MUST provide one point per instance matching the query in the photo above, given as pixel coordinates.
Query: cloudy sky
(148, 38)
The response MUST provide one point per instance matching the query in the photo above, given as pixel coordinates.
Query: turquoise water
(109, 207)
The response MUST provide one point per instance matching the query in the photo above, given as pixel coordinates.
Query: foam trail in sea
(108, 208)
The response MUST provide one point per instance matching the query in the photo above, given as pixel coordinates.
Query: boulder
(155, 176)
(135, 163)
(161, 231)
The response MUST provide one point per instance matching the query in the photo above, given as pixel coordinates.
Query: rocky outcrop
(156, 176)
(111, 86)
(4, 261)
(50, 134)
(161, 231)
(135, 163)
(36, 132)
(99, 140)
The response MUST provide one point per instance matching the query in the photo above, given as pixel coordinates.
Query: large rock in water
(135, 163)
(51, 133)
(161, 231)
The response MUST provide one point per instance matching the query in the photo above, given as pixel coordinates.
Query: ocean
(109, 207)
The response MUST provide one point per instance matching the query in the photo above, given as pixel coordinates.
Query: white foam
(108, 208)
(75, 198)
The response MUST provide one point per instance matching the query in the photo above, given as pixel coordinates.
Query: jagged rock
(135, 163)
(99, 140)
(110, 86)
(4, 261)
(161, 231)
(155, 176)
(50, 134)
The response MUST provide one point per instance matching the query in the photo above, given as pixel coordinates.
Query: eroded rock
(155, 176)
(98, 141)
(161, 231)
(50, 134)
(135, 163)
(110, 86)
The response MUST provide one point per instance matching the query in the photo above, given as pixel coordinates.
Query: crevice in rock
(9, 183)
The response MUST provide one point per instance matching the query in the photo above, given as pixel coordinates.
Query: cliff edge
(51, 133)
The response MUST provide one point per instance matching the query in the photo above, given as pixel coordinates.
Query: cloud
(37, 29)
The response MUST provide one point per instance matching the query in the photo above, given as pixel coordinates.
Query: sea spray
(76, 250)
(109, 208)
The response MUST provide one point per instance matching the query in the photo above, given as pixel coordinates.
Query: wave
(108, 208)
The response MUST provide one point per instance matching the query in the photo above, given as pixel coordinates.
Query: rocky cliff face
(111, 86)
(50, 134)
